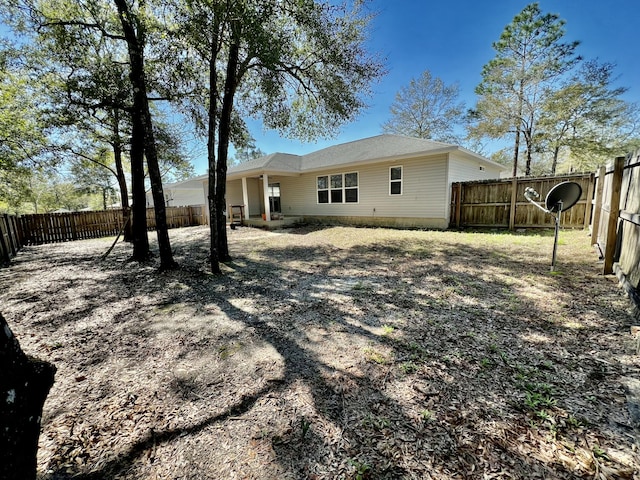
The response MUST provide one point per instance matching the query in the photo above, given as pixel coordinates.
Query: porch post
(245, 197)
(265, 189)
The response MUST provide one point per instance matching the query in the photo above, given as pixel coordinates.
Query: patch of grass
(486, 363)
(387, 329)
(408, 367)
(535, 400)
(363, 469)
(377, 422)
(598, 452)
(373, 355)
(427, 415)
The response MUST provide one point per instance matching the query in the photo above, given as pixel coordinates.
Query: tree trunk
(140, 239)
(24, 385)
(135, 44)
(516, 150)
(554, 164)
(230, 86)
(122, 181)
(214, 258)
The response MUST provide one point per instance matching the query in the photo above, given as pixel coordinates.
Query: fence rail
(501, 203)
(37, 229)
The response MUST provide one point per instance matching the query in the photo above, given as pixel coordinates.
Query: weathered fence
(10, 238)
(616, 221)
(17, 231)
(501, 203)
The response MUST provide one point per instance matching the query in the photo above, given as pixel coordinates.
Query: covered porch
(258, 197)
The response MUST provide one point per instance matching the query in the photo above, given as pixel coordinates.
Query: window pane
(396, 188)
(350, 179)
(336, 181)
(323, 182)
(323, 196)
(336, 196)
(351, 195)
(396, 173)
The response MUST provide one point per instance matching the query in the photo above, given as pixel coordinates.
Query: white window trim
(343, 188)
(401, 181)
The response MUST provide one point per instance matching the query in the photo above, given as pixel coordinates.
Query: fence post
(614, 213)
(589, 205)
(457, 205)
(514, 200)
(597, 208)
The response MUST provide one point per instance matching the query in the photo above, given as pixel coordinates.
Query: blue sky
(452, 39)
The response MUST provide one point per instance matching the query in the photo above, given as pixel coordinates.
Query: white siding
(234, 195)
(179, 197)
(465, 170)
(424, 192)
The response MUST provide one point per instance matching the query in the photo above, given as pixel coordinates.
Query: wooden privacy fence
(501, 203)
(10, 238)
(616, 221)
(17, 231)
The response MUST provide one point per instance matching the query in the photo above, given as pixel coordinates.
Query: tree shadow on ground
(449, 331)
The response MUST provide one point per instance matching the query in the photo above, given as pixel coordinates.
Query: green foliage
(530, 57)
(587, 118)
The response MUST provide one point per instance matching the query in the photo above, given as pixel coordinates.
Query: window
(395, 180)
(351, 187)
(338, 188)
(323, 189)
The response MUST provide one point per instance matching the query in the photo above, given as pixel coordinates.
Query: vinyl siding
(234, 195)
(464, 170)
(424, 192)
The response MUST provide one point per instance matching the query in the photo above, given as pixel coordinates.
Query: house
(386, 180)
(181, 194)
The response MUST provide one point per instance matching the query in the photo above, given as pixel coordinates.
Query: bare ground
(330, 353)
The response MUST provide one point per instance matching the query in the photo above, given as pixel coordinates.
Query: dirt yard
(330, 353)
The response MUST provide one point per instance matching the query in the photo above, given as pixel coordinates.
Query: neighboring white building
(386, 180)
(181, 194)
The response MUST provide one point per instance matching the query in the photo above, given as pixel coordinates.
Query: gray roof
(279, 162)
(372, 149)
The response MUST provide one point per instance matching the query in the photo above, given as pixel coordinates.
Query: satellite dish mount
(559, 199)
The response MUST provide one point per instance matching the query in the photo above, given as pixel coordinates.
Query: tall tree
(587, 117)
(143, 143)
(530, 58)
(116, 35)
(427, 108)
(300, 66)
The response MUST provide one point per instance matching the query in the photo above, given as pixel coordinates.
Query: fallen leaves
(330, 353)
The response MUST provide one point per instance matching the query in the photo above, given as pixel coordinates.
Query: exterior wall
(180, 197)
(464, 170)
(424, 191)
(234, 194)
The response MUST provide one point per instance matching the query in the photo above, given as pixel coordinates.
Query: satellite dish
(559, 199)
(563, 196)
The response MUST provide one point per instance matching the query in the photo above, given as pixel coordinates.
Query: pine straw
(330, 353)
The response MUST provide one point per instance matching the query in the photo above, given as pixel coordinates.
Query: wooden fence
(501, 203)
(10, 238)
(616, 221)
(17, 231)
